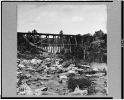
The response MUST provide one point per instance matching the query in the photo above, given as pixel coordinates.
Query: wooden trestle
(58, 43)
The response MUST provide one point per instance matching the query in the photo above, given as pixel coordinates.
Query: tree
(98, 34)
(61, 32)
(29, 32)
(34, 31)
(87, 39)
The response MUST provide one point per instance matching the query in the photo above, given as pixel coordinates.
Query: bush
(92, 90)
(84, 83)
(75, 81)
(72, 83)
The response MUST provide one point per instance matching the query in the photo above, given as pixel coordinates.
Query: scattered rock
(39, 77)
(77, 91)
(71, 71)
(24, 89)
(21, 65)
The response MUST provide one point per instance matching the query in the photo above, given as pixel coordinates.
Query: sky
(72, 19)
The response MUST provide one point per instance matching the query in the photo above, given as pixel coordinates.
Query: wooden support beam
(41, 41)
(33, 39)
(82, 41)
(48, 44)
(62, 41)
(56, 47)
(53, 45)
(59, 44)
(70, 44)
(75, 41)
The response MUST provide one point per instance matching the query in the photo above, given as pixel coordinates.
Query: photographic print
(62, 50)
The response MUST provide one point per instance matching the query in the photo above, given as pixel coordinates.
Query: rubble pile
(50, 77)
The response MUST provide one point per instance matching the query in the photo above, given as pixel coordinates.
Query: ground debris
(47, 76)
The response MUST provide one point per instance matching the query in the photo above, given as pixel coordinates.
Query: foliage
(90, 48)
(75, 81)
(92, 89)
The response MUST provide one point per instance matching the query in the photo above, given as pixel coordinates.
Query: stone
(88, 75)
(72, 65)
(34, 61)
(21, 65)
(25, 89)
(40, 91)
(86, 66)
(95, 69)
(59, 67)
(48, 59)
(80, 92)
(63, 77)
(71, 71)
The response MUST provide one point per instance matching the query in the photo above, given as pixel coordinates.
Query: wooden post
(82, 40)
(47, 41)
(75, 41)
(53, 44)
(62, 42)
(41, 41)
(51, 47)
(59, 44)
(70, 44)
(56, 49)
(33, 38)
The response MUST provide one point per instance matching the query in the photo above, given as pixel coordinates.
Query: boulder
(72, 65)
(71, 71)
(59, 67)
(40, 91)
(34, 61)
(21, 65)
(63, 77)
(44, 78)
(36, 92)
(19, 72)
(24, 89)
(47, 59)
(39, 61)
(88, 75)
(95, 69)
(40, 82)
(77, 91)
(53, 68)
(86, 66)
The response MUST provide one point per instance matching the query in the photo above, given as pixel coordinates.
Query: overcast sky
(72, 19)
